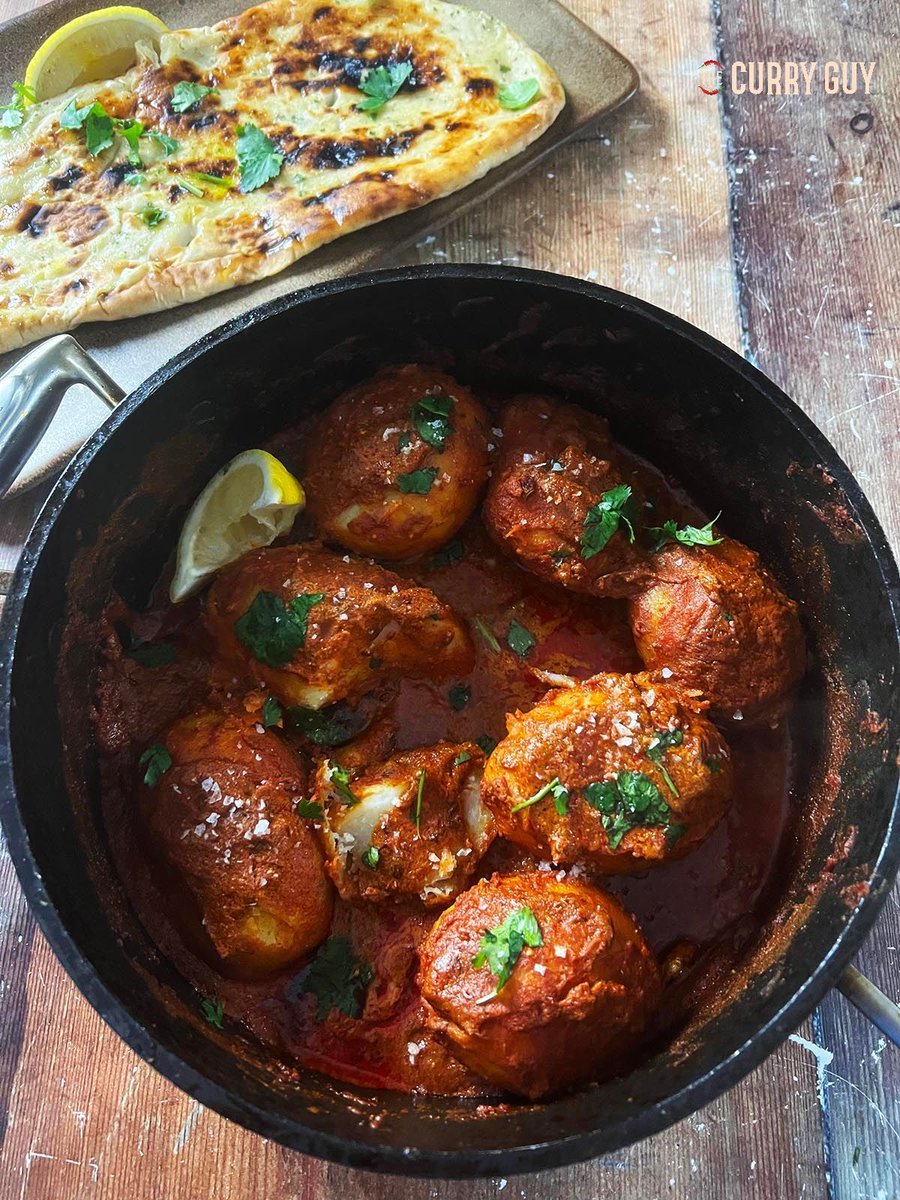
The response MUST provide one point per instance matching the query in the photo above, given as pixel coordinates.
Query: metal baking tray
(595, 76)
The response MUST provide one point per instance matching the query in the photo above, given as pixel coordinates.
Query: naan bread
(74, 246)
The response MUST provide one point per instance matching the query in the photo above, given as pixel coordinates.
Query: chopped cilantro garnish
(186, 96)
(167, 144)
(135, 179)
(712, 765)
(152, 216)
(337, 978)
(630, 801)
(728, 618)
(559, 792)
(212, 1010)
(271, 712)
(131, 131)
(333, 726)
(501, 947)
(604, 519)
(448, 554)
(371, 857)
(13, 114)
(560, 556)
(157, 760)
(688, 535)
(519, 95)
(430, 415)
(487, 634)
(417, 807)
(520, 640)
(380, 84)
(273, 631)
(259, 159)
(463, 757)
(404, 441)
(487, 744)
(309, 809)
(339, 778)
(417, 483)
(663, 740)
(459, 696)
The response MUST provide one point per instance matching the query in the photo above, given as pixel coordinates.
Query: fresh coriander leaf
(189, 186)
(728, 618)
(712, 765)
(332, 726)
(417, 483)
(259, 159)
(337, 978)
(560, 556)
(186, 96)
(73, 117)
(431, 417)
(271, 712)
(487, 634)
(448, 554)
(559, 792)
(417, 808)
(168, 144)
(404, 441)
(380, 84)
(463, 757)
(272, 631)
(213, 1011)
(157, 760)
(604, 519)
(688, 535)
(309, 809)
(663, 740)
(339, 778)
(459, 696)
(371, 857)
(132, 132)
(520, 640)
(629, 801)
(501, 947)
(673, 833)
(13, 114)
(519, 95)
(135, 179)
(98, 129)
(152, 216)
(487, 744)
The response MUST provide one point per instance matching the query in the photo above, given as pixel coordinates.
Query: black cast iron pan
(690, 406)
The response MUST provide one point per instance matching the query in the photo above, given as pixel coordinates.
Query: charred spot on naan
(70, 221)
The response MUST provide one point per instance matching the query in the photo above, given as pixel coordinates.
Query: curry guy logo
(787, 78)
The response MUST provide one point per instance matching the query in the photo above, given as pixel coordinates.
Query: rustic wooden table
(774, 223)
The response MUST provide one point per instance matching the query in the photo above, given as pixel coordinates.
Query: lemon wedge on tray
(97, 45)
(249, 503)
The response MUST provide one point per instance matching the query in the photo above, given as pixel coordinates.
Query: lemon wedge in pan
(249, 503)
(97, 45)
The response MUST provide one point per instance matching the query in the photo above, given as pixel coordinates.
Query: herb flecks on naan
(246, 145)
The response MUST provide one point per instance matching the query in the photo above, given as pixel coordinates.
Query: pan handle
(30, 393)
(871, 1002)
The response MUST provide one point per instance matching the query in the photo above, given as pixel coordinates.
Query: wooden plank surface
(702, 207)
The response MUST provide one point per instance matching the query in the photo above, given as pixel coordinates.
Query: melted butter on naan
(73, 244)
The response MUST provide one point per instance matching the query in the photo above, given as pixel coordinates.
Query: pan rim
(460, 1163)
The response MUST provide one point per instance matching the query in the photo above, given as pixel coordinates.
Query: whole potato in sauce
(222, 813)
(317, 627)
(578, 995)
(411, 826)
(620, 772)
(557, 501)
(396, 464)
(716, 620)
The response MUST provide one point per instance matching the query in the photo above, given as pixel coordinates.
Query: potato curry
(463, 785)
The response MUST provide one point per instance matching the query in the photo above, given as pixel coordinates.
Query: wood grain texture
(726, 234)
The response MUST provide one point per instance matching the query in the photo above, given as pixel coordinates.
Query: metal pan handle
(30, 393)
(871, 1002)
